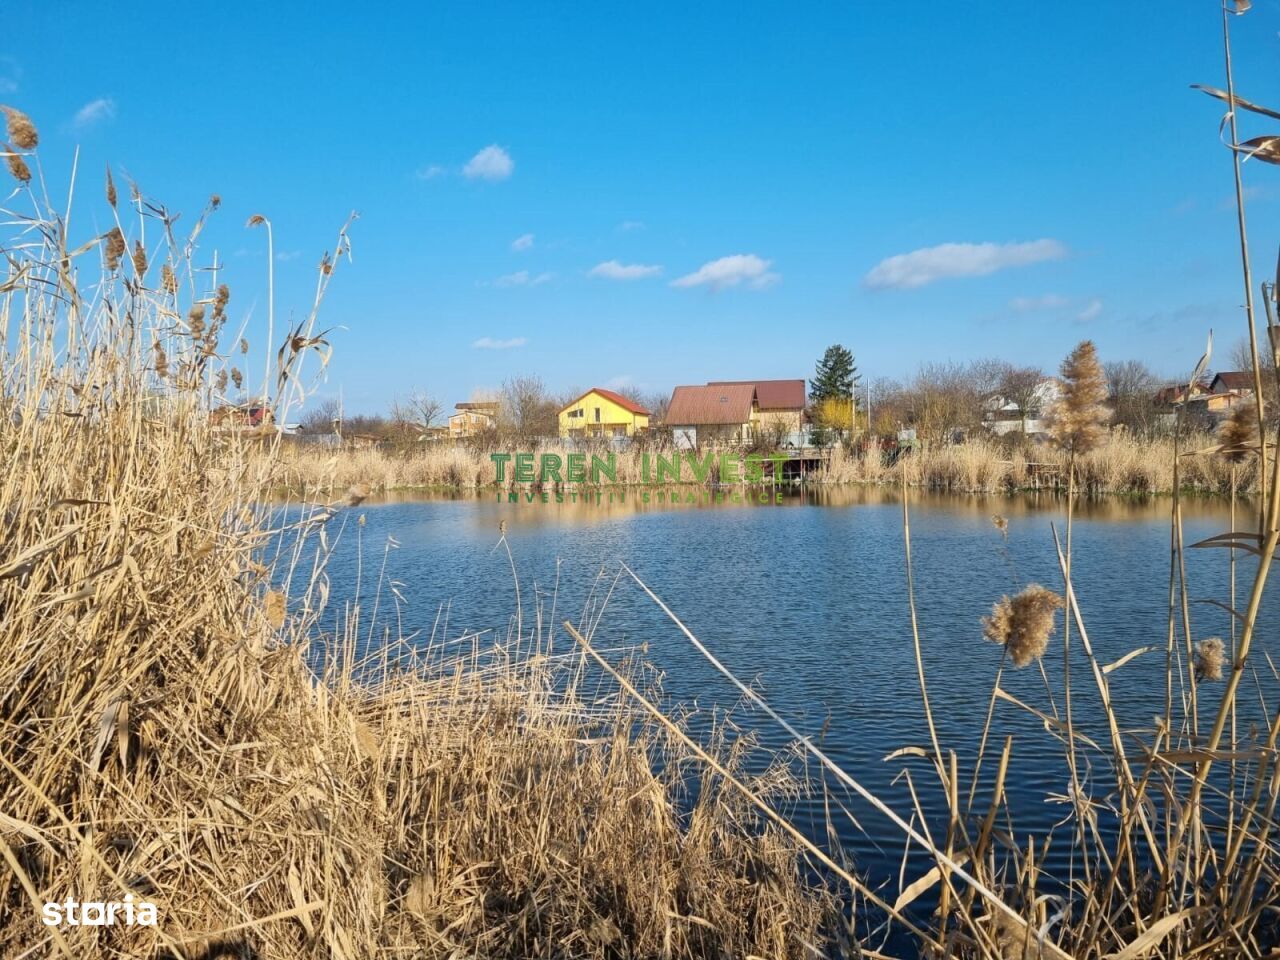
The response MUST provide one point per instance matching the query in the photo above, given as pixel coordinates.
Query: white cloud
(491, 163)
(429, 172)
(729, 272)
(489, 343)
(286, 255)
(94, 112)
(613, 270)
(1092, 310)
(522, 242)
(10, 74)
(920, 267)
(523, 278)
(1049, 301)
(627, 226)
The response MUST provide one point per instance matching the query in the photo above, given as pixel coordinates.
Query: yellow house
(603, 413)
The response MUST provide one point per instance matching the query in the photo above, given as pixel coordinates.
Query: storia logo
(98, 913)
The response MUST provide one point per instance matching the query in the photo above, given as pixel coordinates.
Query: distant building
(472, 418)
(713, 414)
(1003, 415)
(602, 413)
(779, 404)
(242, 415)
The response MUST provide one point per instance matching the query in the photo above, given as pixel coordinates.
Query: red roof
(697, 406)
(626, 404)
(771, 394)
(1233, 380)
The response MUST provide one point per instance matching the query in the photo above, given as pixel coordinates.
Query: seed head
(1023, 623)
(111, 188)
(139, 257)
(17, 166)
(21, 130)
(256, 220)
(220, 301)
(236, 377)
(1078, 418)
(162, 361)
(168, 279)
(115, 248)
(195, 320)
(244, 345)
(1001, 524)
(1239, 433)
(1210, 656)
(222, 381)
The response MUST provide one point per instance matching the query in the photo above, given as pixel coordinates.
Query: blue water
(807, 600)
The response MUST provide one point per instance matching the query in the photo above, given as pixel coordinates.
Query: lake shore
(1123, 466)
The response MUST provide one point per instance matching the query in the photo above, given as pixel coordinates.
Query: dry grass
(162, 732)
(1121, 464)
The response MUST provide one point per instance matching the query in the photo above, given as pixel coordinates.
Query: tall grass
(280, 779)
(1120, 465)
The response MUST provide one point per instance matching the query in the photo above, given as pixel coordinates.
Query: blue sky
(659, 140)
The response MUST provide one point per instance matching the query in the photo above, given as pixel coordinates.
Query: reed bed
(1121, 465)
(184, 722)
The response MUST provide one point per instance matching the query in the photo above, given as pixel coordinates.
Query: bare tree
(323, 417)
(1132, 388)
(415, 415)
(525, 409)
(1021, 386)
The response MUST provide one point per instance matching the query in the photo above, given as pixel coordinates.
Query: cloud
(491, 163)
(522, 242)
(523, 278)
(627, 226)
(93, 113)
(1091, 311)
(613, 270)
(928, 264)
(1049, 301)
(729, 272)
(429, 172)
(489, 343)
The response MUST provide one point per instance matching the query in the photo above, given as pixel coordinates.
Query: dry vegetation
(161, 730)
(1122, 464)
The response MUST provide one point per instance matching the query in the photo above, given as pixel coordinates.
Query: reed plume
(1023, 623)
(17, 166)
(115, 249)
(1210, 656)
(22, 132)
(1238, 436)
(1078, 418)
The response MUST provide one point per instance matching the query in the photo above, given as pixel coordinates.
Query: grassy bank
(1123, 465)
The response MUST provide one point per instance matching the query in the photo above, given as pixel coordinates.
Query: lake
(807, 599)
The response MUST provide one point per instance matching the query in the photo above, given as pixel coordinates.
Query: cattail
(1023, 623)
(111, 188)
(195, 320)
(256, 220)
(244, 345)
(168, 279)
(115, 248)
(236, 377)
(1077, 419)
(17, 166)
(162, 361)
(222, 381)
(21, 130)
(1239, 433)
(1210, 656)
(139, 258)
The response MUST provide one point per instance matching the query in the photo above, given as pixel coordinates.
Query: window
(597, 414)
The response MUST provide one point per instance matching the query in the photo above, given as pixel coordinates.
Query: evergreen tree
(834, 377)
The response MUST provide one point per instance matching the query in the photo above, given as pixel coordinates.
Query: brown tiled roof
(771, 394)
(1233, 380)
(626, 404)
(487, 406)
(695, 406)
